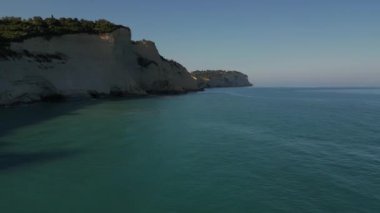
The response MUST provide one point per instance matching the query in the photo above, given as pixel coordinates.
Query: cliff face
(219, 78)
(77, 65)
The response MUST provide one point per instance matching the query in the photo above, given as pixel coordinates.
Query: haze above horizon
(276, 42)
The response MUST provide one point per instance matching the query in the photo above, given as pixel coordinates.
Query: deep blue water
(222, 150)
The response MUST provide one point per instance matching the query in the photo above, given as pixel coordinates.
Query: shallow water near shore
(221, 150)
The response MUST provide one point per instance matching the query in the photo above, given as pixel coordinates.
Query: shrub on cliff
(18, 29)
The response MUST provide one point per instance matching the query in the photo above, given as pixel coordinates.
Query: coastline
(51, 67)
(109, 97)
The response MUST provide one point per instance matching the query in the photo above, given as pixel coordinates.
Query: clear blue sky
(276, 42)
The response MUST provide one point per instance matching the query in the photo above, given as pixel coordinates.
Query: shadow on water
(17, 159)
(14, 118)
(4, 144)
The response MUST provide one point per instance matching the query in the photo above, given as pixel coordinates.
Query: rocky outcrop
(220, 78)
(87, 65)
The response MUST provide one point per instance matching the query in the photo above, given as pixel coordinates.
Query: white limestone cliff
(81, 65)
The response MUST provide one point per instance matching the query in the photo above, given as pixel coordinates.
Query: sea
(226, 150)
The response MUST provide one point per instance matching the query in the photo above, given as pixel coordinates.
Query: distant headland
(221, 78)
(52, 59)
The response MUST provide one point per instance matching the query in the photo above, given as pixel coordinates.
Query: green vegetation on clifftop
(13, 29)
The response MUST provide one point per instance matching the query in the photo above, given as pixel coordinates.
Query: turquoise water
(222, 150)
